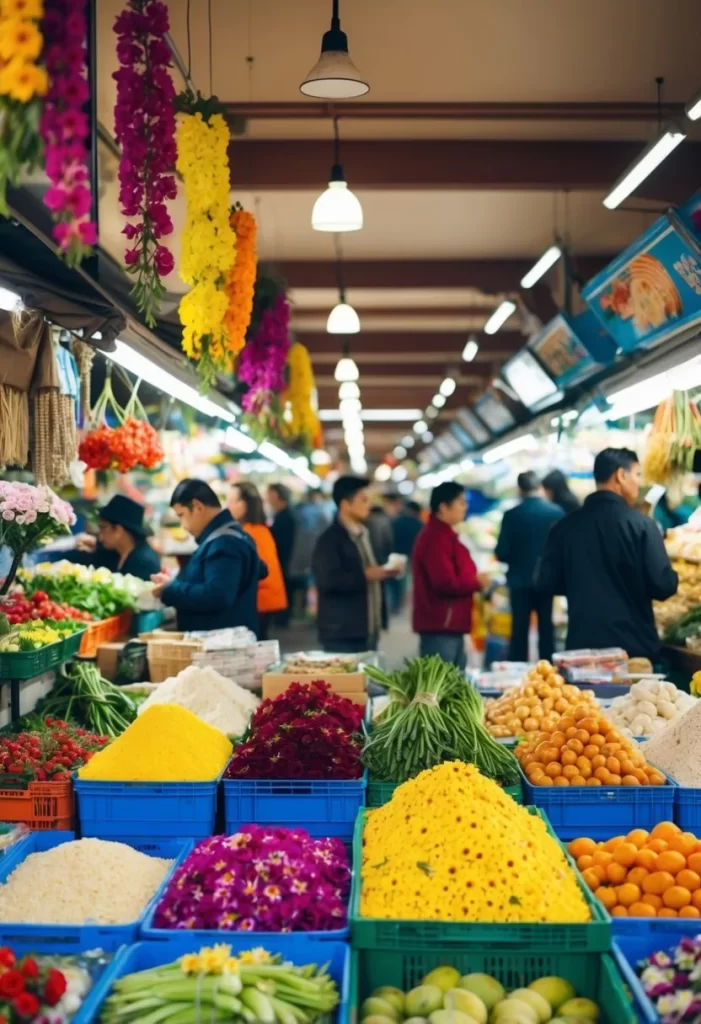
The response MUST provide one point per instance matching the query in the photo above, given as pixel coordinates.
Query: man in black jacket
(349, 581)
(610, 563)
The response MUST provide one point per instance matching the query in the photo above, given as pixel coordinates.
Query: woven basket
(168, 657)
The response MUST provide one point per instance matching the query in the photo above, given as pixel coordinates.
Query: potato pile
(536, 705)
(584, 749)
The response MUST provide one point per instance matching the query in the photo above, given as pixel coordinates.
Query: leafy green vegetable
(99, 599)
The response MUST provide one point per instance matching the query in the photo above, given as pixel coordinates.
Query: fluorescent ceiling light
(349, 389)
(346, 370)
(350, 405)
(271, 451)
(438, 401)
(383, 473)
(420, 427)
(470, 351)
(343, 319)
(337, 209)
(408, 441)
(431, 413)
(144, 368)
(693, 108)
(376, 415)
(9, 300)
(499, 317)
(299, 468)
(399, 473)
(466, 465)
(526, 442)
(447, 387)
(542, 266)
(427, 437)
(236, 439)
(650, 158)
(399, 452)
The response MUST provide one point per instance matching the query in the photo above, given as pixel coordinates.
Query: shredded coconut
(676, 749)
(212, 697)
(79, 882)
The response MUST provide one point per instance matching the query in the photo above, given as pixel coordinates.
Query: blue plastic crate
(110, 810)
(687, 807)
(59, 938)
(322, 807)
(296, 948)
(600, 812)
(650, 936)
(146, 622)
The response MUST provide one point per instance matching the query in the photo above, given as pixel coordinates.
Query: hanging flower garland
(65, 129)
(302, 423)
(241, 280)
(23, 80)
(263, 359)
(208, 242)
(144, 119)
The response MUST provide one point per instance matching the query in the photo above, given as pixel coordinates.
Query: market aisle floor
(397, 643)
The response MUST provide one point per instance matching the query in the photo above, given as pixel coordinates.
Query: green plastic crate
(593, 975)
(27, 664)
(372, 933)
(380, 793)
(71, 644)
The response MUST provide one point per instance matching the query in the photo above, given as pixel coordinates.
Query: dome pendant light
(337, 209)
(334, 76)
(343, 319)
(346, 369)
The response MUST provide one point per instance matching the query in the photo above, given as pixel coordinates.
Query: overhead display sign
(524, 375)
(564, 355)
(464, 439)
(491, 409)
(651, 292)
(474, 427)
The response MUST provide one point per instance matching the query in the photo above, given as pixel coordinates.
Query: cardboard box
(348, 684)
(108, 657)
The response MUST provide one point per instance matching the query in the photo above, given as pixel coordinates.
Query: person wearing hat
(121, 544)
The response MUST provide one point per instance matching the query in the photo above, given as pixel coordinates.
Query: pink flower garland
(65, 129)
(144, 119)
(263, 358)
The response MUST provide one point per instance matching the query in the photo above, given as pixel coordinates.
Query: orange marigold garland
(241, 280)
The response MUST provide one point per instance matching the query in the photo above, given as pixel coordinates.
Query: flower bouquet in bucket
(28, 516)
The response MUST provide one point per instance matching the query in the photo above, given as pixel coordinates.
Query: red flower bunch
(65, 128)
(308, 732)
(133, 443)
(144, 119)
(26, 988)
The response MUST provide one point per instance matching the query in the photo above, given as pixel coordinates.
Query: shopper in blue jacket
(219, 585)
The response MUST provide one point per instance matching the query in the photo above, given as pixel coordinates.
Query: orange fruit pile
(584, 749)
(536, 704)
(644, 874)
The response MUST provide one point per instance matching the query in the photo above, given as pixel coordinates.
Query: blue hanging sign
(651, 292)
(561, 352)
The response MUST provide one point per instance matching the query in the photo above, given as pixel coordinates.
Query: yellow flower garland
(208, 242)
(21, 44)
(303, 421)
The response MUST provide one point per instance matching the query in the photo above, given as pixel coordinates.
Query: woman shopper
(246, 506)
(557, 490)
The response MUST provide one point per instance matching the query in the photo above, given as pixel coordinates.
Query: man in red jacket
(445, 578)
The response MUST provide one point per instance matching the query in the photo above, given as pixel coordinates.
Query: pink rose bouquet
(259, 880)
(29, 515)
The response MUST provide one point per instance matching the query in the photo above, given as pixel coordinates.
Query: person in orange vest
(246, 506)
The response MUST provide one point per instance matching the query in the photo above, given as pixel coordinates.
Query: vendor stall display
(675, 749)
(608, 665)
(648, 708)
(540, 700)
(82, 696)
(214, 699)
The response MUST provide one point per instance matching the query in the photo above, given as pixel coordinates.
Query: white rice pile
(676, 749)
(88, 880)
(215, 699)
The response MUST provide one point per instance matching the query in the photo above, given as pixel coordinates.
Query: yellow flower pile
(303, 421)
(167, 743)
(21, 44)
(452, 846)
(241, 281)
(208, 241)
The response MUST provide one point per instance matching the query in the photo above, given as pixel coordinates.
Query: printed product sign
(651, 292)
(562, 353)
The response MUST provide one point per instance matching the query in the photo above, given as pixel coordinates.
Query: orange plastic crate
(42, 805)
(104, 632)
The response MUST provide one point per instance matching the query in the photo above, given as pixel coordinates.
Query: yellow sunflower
(19, 38)
(22, 8)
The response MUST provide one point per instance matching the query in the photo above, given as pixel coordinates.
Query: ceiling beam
(377, 346)
(485, 275)
(422, 362)
(500, 111)
(485, 165)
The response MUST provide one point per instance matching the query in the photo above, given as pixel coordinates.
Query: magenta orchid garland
(65, 129)
(144, 119)
(263, 358)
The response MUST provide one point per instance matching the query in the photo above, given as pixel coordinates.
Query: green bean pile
(82, 696)
(434, 715)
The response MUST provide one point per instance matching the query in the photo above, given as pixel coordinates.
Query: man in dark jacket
(610, 563)
(283, 529)
(524, 531)
(219, 585)
(121, 544)
(348, 578)
(445, 578)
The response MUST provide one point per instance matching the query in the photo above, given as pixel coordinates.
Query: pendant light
(349, 389)
(334, 76)
(343, 319)
(337, 209)
(346, 370)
